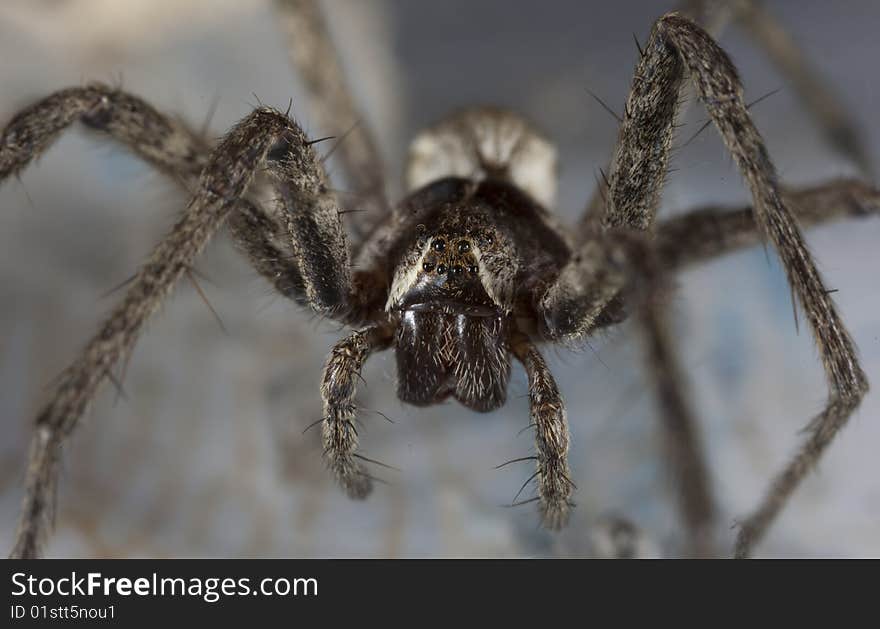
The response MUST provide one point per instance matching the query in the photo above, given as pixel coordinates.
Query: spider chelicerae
(468, 271)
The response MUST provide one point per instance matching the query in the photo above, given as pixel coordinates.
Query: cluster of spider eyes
(455, 269)
(439, 245)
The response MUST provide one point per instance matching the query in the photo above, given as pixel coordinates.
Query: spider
(470, 270)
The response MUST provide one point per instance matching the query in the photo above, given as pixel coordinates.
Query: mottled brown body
(470, 269)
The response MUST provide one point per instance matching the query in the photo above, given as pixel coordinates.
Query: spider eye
(439, 244)
(472, 269)
(456, 270)
(428, 267)
(441, 269)
(464, 246)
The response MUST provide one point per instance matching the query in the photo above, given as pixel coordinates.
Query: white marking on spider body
(406, 275)
(480, 141)
(498, 286)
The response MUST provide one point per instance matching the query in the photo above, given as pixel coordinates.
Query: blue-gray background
(206, 457)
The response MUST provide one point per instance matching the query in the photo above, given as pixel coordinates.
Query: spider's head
(453, 256)
(446, 273)
(452, 292)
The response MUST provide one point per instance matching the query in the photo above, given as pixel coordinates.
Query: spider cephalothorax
(478, 248)
(471, 269)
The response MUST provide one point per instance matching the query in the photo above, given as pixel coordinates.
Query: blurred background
(206, 455)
